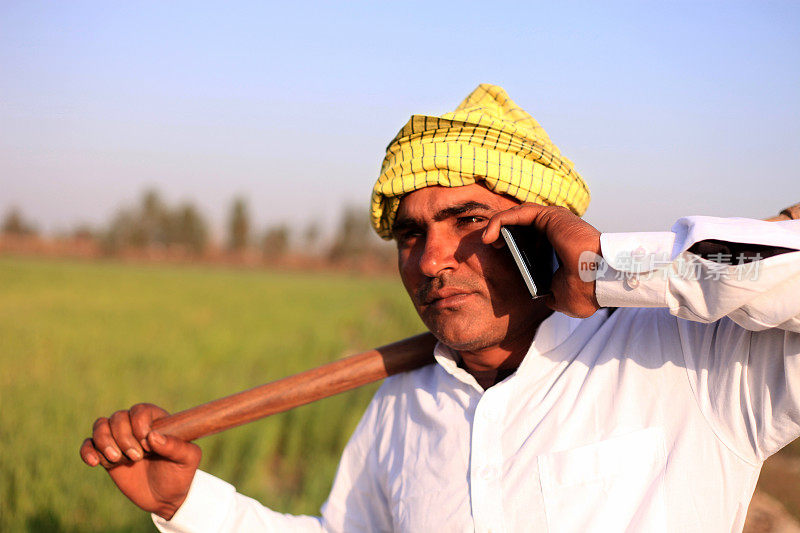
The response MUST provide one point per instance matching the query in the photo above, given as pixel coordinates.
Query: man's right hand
(153, 470)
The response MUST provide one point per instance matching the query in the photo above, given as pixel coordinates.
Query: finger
(104, 441)
(120, 424)
(559, 298)
(92, 457)
(522, 215)
(142, 416)
(550, 301)
(174, 449)
(89, 455)
(554, 300)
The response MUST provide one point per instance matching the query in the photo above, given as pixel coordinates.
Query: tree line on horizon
(152, 223)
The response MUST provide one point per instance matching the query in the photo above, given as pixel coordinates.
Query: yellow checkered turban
(487, 138)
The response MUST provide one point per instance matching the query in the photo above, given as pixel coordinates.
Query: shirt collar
(553, 331)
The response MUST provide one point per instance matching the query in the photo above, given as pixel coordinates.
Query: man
(654, 417)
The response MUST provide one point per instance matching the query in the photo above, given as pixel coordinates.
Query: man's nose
(439, 253)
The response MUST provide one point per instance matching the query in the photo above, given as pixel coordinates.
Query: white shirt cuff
(635, 271)
(204, 509)
(621, 289)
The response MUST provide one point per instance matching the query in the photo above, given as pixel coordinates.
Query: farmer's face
(469, 294)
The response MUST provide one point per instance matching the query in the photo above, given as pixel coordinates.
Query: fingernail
(158, 437)
(134, 454)
(145, 445)
(111, 453)
(92, 460)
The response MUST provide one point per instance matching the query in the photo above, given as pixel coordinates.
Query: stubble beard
(464, 329)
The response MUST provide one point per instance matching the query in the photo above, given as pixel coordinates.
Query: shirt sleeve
(214, 505)
(356, 501)
(740, 338)
(757, 291)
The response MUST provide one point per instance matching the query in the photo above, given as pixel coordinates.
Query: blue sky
(666, 108)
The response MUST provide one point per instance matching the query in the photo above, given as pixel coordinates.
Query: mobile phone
(534, 257)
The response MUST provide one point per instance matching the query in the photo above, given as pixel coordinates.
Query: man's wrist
(167, 511)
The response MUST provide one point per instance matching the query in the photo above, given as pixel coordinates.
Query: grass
(80, 340)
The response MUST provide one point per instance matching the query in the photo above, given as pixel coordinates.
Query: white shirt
(637, 420)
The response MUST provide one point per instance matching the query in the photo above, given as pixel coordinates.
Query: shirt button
(489, 473)
(632, 282)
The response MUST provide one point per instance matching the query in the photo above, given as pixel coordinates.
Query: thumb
(174, 449)
(550, 301)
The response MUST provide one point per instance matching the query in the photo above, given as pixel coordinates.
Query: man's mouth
(446, 297)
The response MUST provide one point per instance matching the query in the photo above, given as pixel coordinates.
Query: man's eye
(471, 219)
(403, 238)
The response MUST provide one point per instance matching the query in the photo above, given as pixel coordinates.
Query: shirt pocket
(612, 485)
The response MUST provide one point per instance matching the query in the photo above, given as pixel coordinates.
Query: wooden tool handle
(300, 389)
(315, 384)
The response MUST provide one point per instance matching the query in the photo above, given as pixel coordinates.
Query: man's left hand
(570, 237)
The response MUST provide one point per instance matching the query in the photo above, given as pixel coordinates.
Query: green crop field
(79, 340)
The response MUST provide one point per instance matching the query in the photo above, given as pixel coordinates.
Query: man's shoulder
(397, 396)
(409, 390)
(421, 378)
